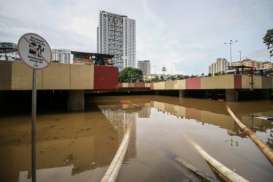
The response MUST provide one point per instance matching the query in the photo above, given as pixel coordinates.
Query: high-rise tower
(116, 35)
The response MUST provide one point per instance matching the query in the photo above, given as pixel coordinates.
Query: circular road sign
(34, 51)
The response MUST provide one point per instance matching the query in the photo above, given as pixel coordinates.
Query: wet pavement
(80, 146)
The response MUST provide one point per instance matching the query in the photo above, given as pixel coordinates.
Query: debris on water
(197, 173)
(265, 118)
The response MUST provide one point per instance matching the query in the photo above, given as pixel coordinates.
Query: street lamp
(164, 69)
(230, 48)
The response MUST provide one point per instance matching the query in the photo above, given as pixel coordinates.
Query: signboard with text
(34, 51)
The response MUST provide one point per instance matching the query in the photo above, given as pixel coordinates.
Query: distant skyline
(184, 36)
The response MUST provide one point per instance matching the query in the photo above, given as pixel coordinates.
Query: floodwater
(79, 146)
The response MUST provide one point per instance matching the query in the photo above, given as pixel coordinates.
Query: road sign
(34, 51)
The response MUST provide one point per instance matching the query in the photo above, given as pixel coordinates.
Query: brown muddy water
(79, 146)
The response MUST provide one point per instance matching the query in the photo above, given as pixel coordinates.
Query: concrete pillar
(206, 94)
(181, 93)
(267, 94)
(75, 100)
(232, 95)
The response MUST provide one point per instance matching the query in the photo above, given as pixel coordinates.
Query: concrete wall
(147, 85)
(82, 77)
(246, 82)
(140, 85)
(21, 77)
(169, 85)
(18, 76)
(180, 84)
(193, 83)
(56, 76)
(267, 82)
(159, 85)
(124, 85)
(105, 77)
(5, 76)
(218, 82)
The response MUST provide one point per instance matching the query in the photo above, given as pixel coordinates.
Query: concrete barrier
(251, 83)
(159, 85)
(147, 85)
(105, 77)
(21, 77)
(56, 76)
(124, 85)
(267, 83)
(218, 82)
(193, 83)
(180, 84)
(82, 77)
(170, 85)
(140, 85)
(5, 75)
(18, 76)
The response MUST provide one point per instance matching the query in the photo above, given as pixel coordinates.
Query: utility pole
(230, 48)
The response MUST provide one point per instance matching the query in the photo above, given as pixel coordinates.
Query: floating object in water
(265, 118)
(222, 171)
(202, 176)
(263, 147)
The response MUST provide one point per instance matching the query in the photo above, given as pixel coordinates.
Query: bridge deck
(17, 76)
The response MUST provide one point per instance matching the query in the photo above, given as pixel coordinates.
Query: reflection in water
(121, 116)
(270, 139)
(68, 145)
(80, 146)
(222, 120)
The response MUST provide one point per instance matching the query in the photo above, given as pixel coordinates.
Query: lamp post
(230, 48)
(163, 71)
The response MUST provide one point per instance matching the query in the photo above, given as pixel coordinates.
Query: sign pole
(36, 53)
(33, 129)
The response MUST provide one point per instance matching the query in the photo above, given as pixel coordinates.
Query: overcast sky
(183, 35)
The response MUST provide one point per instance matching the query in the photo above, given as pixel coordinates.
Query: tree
(268, 40)
(130, 75)
(155, 79)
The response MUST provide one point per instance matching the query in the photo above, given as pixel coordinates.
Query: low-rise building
(61, 56)
(253, 63)
(144, 66)
(267, 65)
(220, 66)
(92, 58)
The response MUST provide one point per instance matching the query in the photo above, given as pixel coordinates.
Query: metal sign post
(33, 126)
(36, 53)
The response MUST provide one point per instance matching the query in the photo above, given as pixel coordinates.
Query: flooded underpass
(80, 146)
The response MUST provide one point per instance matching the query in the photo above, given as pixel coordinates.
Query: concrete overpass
(74, 78)
(78, 78)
